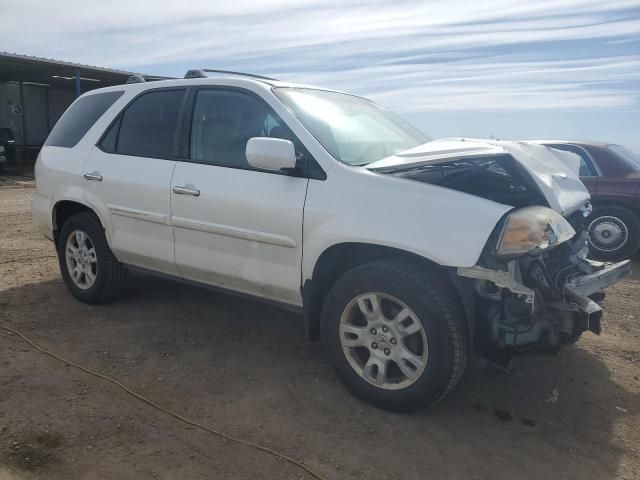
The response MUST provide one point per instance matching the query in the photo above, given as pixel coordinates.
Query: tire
(108, 274)
(430, 300)
(622, 228)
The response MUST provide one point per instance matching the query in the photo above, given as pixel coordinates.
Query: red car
(612, 175)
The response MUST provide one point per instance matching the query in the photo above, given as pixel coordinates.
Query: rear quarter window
(79, 118)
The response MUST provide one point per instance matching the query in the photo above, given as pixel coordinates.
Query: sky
(508, 69)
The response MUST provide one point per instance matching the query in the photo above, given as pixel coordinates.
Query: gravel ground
(247, 369)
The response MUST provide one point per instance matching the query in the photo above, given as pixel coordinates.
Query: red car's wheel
(614, 233)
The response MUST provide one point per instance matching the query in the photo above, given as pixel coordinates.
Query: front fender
(447, 227)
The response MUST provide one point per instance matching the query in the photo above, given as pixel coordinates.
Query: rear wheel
(396, 335)
(89, 269)
(614, 233)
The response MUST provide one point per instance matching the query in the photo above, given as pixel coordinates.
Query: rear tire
(89, 269)
(393, 299)
(614, 233)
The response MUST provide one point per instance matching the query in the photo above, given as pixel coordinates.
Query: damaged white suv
(406, 256)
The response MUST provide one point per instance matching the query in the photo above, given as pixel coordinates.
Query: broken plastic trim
(587, 285)
(501, 279)
(589, 311)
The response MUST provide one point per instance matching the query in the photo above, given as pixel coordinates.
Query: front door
(236, 227)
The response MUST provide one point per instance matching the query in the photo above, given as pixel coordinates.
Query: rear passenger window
(148, 127)
(223, 123)
(79, 118)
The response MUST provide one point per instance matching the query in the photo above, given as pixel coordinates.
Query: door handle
(95, 175)
(188, 189)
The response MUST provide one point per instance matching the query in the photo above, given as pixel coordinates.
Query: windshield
(354, 130)
(630, 158)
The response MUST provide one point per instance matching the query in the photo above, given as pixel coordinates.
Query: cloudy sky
(508, 68)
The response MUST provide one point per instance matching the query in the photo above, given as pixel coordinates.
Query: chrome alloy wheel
(383, 341)
(81, 258)
(608, 233)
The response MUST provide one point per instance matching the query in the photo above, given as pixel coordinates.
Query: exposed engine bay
(541, 296)
(497, 177)
(542, 301)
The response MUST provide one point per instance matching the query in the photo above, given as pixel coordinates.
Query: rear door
(234, 226)
(128, 175)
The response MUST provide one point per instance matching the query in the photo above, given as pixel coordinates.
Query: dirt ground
(247, 369)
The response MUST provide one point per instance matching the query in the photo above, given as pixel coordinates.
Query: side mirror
(271, 153)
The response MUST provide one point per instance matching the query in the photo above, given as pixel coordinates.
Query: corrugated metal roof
(8, 58)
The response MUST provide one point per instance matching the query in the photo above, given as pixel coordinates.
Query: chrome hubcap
(81, 259)
(608, 233)
(383, 341)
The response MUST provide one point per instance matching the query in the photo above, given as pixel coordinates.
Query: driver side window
(223, 123)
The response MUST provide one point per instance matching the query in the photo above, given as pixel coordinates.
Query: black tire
(110, 274)
(627, 221)
(440, 313)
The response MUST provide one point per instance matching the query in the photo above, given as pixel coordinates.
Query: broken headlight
(532, 228)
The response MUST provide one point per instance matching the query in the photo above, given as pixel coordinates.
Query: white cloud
(495, 85)
(411, 55)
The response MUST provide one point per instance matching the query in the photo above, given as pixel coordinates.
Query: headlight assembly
(532, 228)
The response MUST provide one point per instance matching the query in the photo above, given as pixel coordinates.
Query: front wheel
(396, 335)
(614, 233)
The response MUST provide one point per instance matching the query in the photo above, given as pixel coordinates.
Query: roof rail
(136, 79)
(202, 73)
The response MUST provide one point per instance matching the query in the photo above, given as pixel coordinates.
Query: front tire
(89, 269)
(396, 335)
(614, 233)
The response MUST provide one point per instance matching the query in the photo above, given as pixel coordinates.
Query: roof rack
(202, 73)
(136, 79)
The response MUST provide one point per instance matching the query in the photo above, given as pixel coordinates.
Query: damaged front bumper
(538, 304)
(582, 289)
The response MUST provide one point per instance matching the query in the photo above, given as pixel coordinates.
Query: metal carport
(35, 92)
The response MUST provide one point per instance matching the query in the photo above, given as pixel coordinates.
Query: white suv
(406, 256)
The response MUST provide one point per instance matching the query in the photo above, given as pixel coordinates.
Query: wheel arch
(629, 204)
(63, 209)
(339, 258)
(632, 245)
(634, 210)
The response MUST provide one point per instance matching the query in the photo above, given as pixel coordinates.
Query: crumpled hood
(552, 170)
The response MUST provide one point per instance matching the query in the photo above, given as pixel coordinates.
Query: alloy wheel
(81, 259)
(383, 340)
